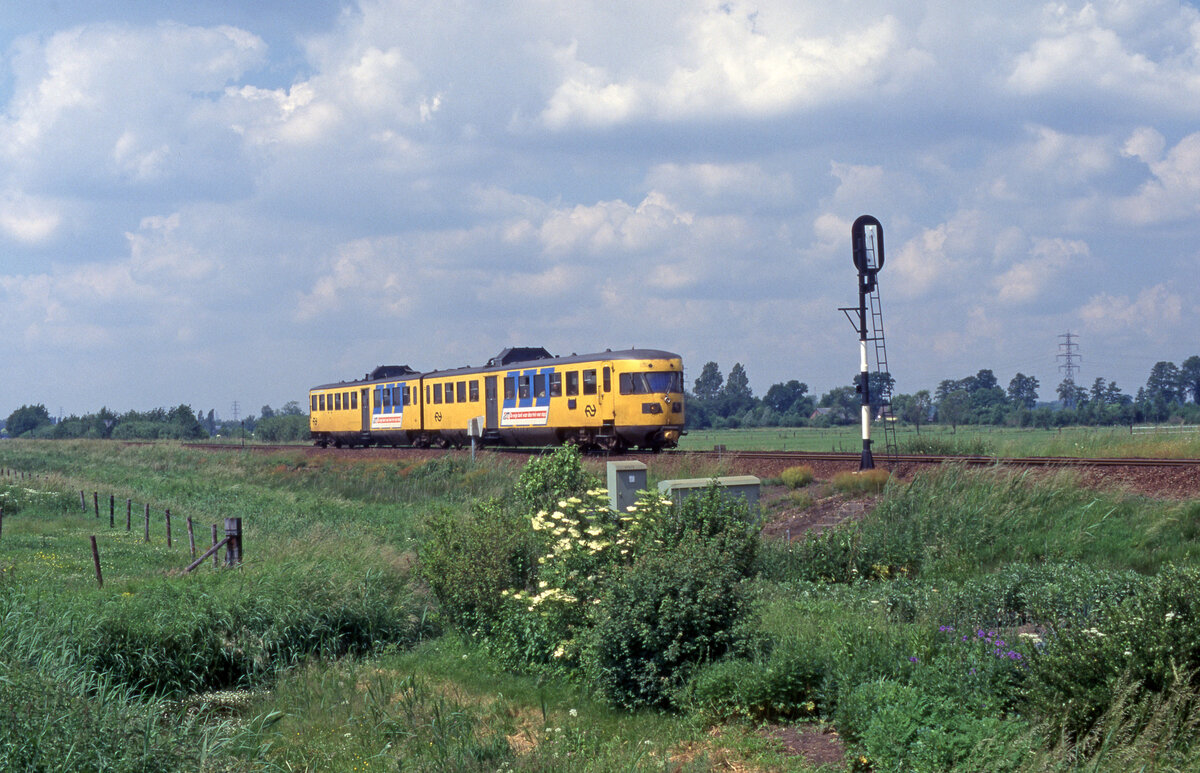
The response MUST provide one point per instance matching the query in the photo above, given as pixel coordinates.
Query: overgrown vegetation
(452, 616)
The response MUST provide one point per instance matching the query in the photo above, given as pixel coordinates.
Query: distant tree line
(289, 423)
(1171, 394)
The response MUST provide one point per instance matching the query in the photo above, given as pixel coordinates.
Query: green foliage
(27, 418)
(63, 719)
(861, 482)
(1150, 640)
(469, 558)
(798, 476)
(548, 478)
(287, 428)
(671, 611)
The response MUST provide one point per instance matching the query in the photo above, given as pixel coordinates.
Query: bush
(547, 479)
(671, 611)
(861, 482)
(796, 477)
(468, 559)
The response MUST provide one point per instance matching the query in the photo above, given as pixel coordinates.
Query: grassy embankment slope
(327, 652)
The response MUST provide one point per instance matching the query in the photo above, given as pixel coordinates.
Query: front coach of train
(649, 404)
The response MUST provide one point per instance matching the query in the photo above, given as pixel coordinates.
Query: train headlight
(651, 408)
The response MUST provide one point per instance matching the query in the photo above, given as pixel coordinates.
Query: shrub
(468, 559)
(671, 611)
(549, 478)
(861, 482)
(796, 477)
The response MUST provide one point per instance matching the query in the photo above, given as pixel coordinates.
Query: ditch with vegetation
(436, 614)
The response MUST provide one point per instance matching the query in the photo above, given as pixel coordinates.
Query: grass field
(994, 441)
(327, 651)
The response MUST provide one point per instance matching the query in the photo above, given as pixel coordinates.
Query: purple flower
(914, 659)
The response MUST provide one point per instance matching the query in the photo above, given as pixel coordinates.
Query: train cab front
(651, 409)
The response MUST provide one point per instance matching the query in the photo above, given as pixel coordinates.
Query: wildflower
(914, 659)
(1170, 616)
(595, 531)
(542, 584)
(573, 712)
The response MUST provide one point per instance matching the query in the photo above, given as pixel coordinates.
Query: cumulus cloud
(1027, 279)
(737, 59)
(1174, 191)
(1153, 313)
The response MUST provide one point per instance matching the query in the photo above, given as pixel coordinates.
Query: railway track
(797, 457)
(882, 460)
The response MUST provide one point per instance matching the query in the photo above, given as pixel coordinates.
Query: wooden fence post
(168, 527)
(82, 502)
(96, 502)
(233, 536)
(96, 560)
(147, 521)
(128, 514)
(216, 563)
(191, 537)
(112, 510)
(1, 520)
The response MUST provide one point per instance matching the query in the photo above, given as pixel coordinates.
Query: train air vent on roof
(519, 354)
(391, 371)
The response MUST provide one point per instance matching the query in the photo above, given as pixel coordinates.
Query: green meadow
(445, 615)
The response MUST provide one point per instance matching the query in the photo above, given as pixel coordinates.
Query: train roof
(509, 358)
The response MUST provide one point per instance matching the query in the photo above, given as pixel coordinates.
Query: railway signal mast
(866, 241)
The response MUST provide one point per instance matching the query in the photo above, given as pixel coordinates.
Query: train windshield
(651, 383)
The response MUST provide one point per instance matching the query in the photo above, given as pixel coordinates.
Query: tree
(880, 384)
(914, 408)
(267, 411)
(26, 419)
(954, 408)
(783, 398)
(708, 385)
(1164, 384)
(737, 386)
(1070, 394)
(1189, 377)
(1022, 391)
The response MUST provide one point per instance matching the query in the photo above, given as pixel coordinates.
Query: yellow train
(610, 401)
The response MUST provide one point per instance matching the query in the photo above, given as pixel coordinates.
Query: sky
(215, 201)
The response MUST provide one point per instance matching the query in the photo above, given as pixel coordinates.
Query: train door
(364, 398)
(493, 410)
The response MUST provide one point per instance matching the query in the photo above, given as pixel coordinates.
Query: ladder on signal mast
(875, 335)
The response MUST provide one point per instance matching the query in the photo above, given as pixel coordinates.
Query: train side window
(474, 391)
(450, 392)
(320, 401)
(385, 401)
(337, 401)
(572, 383)
(589, 382)
(607, 379)
(314, 402)
(556, 385)
(510, 388)
(437, 394)
(427, 393)
(407, 396)
(539, 385)
(354, 401)
(523, 392)
(462, 391)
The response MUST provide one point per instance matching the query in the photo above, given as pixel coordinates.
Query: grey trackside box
(625, 480)
(745, 486)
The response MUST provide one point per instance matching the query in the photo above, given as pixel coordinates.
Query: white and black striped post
(861, 245)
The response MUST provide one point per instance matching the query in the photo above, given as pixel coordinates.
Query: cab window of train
(651, 383)
(589, 382)
(572, 383)
(524, 390)
(510, 387)
(437, 394)
(474, 391)
(556, 385)
(462, 391)
(607, 379)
